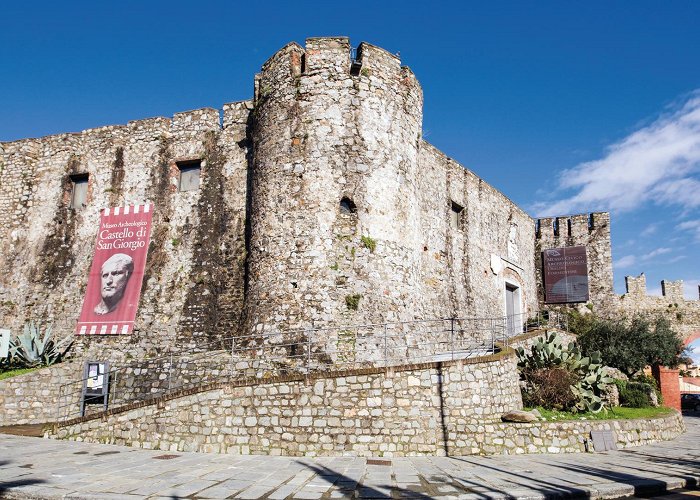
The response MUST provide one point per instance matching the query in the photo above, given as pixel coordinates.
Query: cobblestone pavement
(38, 468)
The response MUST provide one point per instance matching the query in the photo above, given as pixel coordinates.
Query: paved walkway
(38, 468)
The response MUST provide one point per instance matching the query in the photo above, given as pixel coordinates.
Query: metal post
(386, 350)
(114, 384)
(308, 352)
(170, 369)
(493, 342)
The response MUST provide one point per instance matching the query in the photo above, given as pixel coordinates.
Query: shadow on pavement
(541, 486)
(642, 484)
(348, 486)
(6, 486)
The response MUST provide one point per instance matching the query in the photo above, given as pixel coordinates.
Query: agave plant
(31, 348)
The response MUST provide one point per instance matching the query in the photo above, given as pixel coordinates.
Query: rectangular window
(189, 175)
(456, 212)
(79, 193)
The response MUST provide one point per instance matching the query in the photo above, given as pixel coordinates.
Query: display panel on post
(565, 272)
(114, 284)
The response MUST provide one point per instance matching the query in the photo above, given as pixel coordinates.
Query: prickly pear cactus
(550, 352)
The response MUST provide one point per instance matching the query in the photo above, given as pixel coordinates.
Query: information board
(565, 273)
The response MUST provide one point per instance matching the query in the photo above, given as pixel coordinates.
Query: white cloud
(649, 230)
(626, 261)
(630, 260)
(658, 163)
(691, 225)
(655, 253)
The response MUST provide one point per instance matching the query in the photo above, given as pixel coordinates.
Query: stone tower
(589, 230)
(334, 225)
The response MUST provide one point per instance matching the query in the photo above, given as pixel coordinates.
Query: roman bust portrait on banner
(114, 277)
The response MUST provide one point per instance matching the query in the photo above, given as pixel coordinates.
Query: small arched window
(347, 206)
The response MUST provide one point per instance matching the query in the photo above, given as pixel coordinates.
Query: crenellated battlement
(636, 286)
(332, 59)
(684, 314)
(571, 226)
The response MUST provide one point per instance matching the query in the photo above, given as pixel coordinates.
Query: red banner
(114, 285)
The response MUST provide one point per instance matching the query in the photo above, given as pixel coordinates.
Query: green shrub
(648, 379)
(628, 344)
(636, 395)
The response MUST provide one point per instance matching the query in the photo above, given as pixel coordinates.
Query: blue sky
(566, 107)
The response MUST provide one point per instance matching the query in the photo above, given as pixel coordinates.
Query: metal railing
(305, 351)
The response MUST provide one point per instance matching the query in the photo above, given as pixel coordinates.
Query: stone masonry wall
(683, 314)
(591, 231)
(573, 436)
(321, 135)
(464, 270)
(33, 398)
(265, 243)
(412, 410)
(451, 408)
(194, 279)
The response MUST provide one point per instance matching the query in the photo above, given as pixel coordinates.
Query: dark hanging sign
(565, 275)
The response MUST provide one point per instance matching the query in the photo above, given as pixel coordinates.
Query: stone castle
(316, 203)
(315, 213)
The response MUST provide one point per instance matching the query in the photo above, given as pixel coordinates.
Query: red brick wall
(670, 388)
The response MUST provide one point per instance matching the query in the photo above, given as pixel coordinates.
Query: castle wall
(319, 205)
(464, 270)
(322, 134)
(683, 314)
(194, 275)
(591, 231)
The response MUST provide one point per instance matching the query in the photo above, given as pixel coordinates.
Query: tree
(630, 344)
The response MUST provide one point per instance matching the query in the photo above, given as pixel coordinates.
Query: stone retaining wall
(409, 410)
(32, 398)
(568, 436)
(449, 408)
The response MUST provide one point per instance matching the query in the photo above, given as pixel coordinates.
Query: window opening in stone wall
(79, 191)
(303, 64)
(189, 175)
(568, 227)
(347, 206)
(456, 211)
(355, 61)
